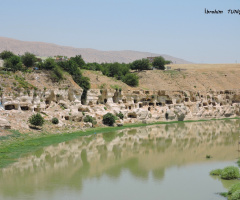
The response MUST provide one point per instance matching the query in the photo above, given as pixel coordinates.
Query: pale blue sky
(173, 27)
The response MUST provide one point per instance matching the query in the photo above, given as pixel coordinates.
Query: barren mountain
(89, 55)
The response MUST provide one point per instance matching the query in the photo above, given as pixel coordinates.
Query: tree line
(120, 71)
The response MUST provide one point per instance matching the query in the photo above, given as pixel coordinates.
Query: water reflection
(140, 151)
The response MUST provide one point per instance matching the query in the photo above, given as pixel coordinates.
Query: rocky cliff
(136, 106)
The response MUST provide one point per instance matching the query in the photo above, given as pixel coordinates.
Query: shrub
(236, 195)
(90, 119)
(159, 62)
(131, 80)
(6, 54)
(208, 156)
(230, 173)
(55, 120)
(216, 172)
(56, 74)
(166, 116)
(238, 162)
(28, 59)
(49, 64)
(120, 115)
(108, 119)
(36, 120)
(140, 64)
(13, 64)
(78, 60)
(234, 188)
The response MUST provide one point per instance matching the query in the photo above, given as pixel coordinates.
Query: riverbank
(17, 145)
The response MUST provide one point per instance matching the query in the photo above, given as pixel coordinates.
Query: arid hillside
(194, 77)
(89, 55)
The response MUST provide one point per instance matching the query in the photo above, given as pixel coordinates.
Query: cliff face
(136, 106)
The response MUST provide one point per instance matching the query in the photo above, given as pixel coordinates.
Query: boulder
(4, 124)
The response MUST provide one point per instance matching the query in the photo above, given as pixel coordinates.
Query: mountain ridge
(88, 54)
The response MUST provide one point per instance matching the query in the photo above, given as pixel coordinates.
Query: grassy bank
(16, 145)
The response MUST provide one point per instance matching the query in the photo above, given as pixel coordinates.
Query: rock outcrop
(4, 124)
(136, 106)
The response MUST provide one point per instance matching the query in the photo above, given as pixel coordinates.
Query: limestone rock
(4, 124)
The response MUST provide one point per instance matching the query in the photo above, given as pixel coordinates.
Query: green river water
(165, 162)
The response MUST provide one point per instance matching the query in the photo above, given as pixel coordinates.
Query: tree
(78, 60)
(13, 63)
(140, 64)
(84, 83)
(131, 80)
(28, 59)
(56, 74)
(108, 119)
(70, 66)
(159, 62)
(167, 62)
(6, 54)
(36, 120)
(115, 70)
(49, 64)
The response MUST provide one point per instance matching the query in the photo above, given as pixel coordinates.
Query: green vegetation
(208, 156)
(48, 64)
(56, 74)
(120, 115)
(140, 65)
(233, 192)
(234, 188)
(36, 120)
(15, 134)
(159, 63)
(73, 68)
(228, 173)
(55, 120)
(28, 59)
(216, 172)
(6, 54)
(90, 119)
(23, 83)
(236, 195)
(108, 119)
(131, 80)
(13, 64)
(78, 60)
(238, 162)
(119, 71)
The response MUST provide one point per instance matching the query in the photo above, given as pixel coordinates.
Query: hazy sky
(173, 27)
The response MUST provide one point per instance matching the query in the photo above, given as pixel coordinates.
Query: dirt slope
(99, 81)
(196, 77)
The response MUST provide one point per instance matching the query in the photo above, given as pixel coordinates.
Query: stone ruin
(136, 105)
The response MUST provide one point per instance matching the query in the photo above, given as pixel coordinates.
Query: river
(165, 161)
